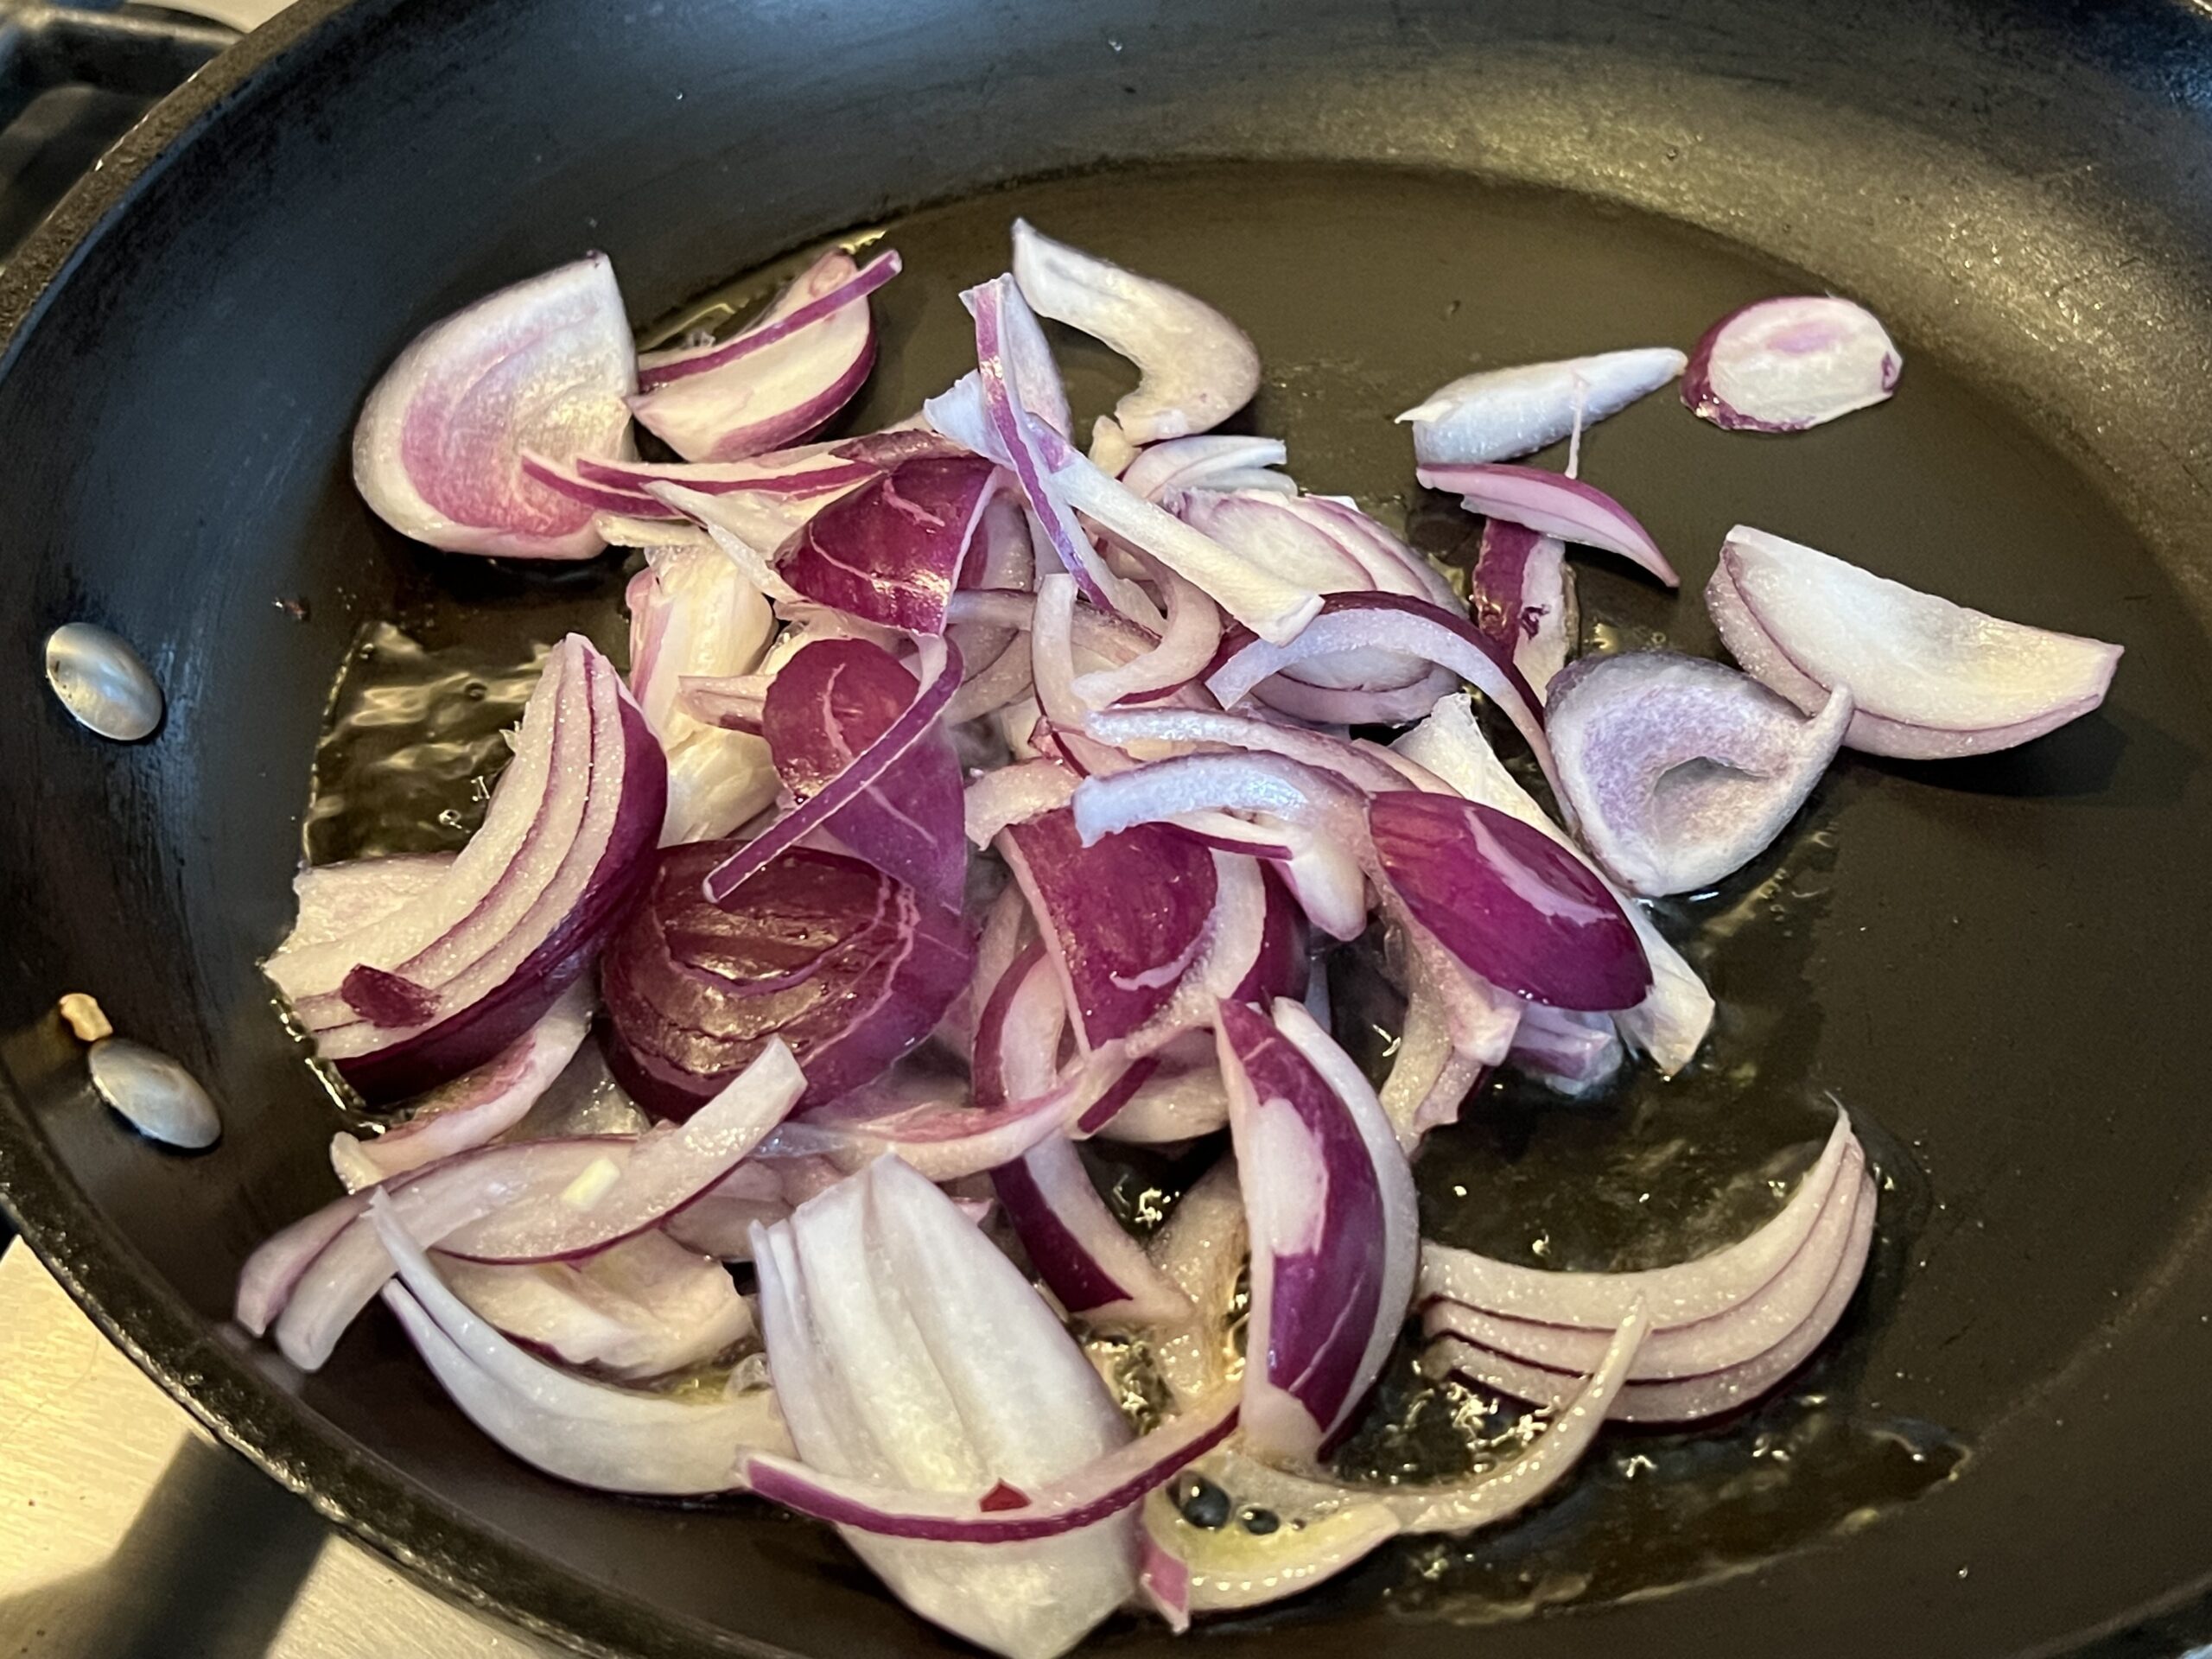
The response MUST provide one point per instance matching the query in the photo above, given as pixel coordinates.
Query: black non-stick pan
(1998, 964)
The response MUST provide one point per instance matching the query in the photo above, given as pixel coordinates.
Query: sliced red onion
(1521, 596)
(1104, 1487)
(1685, 1399)
(1509, 901)
(1266, 529)
(1679, 770)
(1500, 414)
(1124, 918)
(1335, 1230)
(1172, 1103)
(643, 1308)
(1439, 1056)
(621, 529)
(275, 1269)
(809, 470)
(1196, 367)
(1485, 1499)
(912, 1354)
(1273, 606)
(846, 966)
(1783, 365)
(336, 899)
(1669, 1024)
(308, 1304)
(1553, 505)
(825, 289)
(614, 1440)
(948, 1139)
(1003, 412)
(1394, 622)
(1574, 1053)
(1085, 1257)
(544, 366)
(517, 919)
(1014, 794)
(1201, 1250)
(1690, 1291)
(567, 480)
(1187, 648)
(913, 729)
(694, 615)
(775, 382)
(1364, 768)
(1182, 1578)
(1204, 462)
(890, 551)
(1111, 449)
(488, 1102)
(827, 705)
(1932, 680)
(1702, 1346)
(664, 1173)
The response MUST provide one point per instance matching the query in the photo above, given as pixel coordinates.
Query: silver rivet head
(101, 682)
(160, 1098)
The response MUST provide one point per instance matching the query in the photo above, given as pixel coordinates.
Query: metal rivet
(101, 682)
(160, 1098)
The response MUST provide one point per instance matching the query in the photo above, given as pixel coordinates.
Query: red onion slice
(1671, 1024)
(1204, 462)
(1785, 365)
(1679, 770)
(444, 983)
(832, 283)
(1685, 1398)
(695, 615)
(488, 1102)
(913, 727)
(1196, 367)
(614, 1440)
(1501, 414)
(1575, 1054)
(336, 899)
(1271, 605)
(912, 1354)
(1334, 1226)
(775, 383)
(1553, 505)
(1174, 1102)
(664, 1171)
(569, 482)
(846, 966)
(328, 1291)
(1201, 1250)
(1014, 794)
(1003, 411)
(1711, 1284)
(1124, 918)
(827, 705)
(1508, 901)
(643, 1308)
(1701, 1346)
(1932, 680)
(810, 469)
(1187, 648)
(890, 551)
(1393, 622)
(1104, 1487)
(1520, 596)
(543, 366)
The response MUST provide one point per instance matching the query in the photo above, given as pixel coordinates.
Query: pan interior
(1929, 946)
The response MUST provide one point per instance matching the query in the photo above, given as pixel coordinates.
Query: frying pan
(2001, 963)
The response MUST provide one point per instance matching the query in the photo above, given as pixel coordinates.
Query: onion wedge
(1931, 680)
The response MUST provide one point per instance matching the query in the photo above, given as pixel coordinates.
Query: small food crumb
(85, 1017)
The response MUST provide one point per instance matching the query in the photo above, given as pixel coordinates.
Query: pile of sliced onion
(973, 796)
